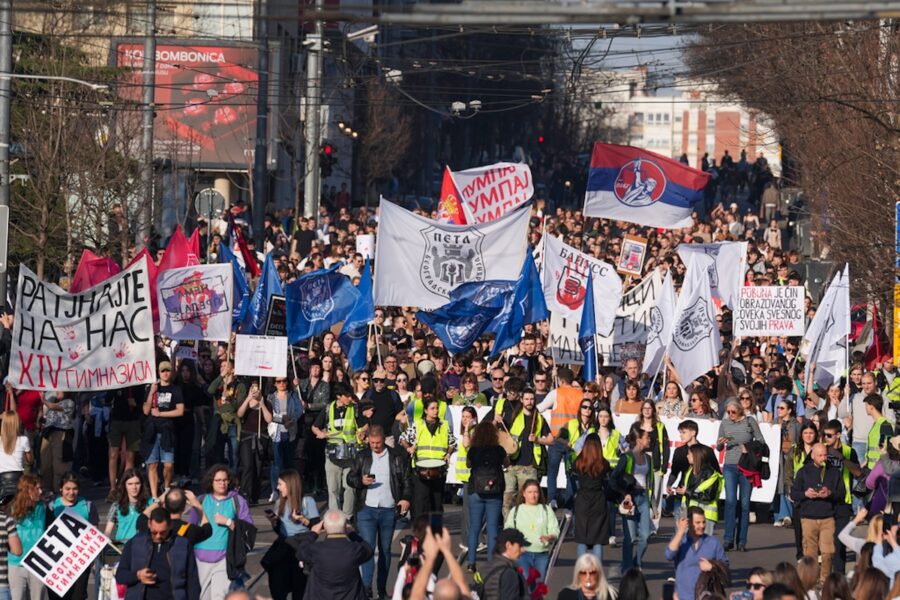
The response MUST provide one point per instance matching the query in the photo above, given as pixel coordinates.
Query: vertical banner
(66, 550)
(98, 339)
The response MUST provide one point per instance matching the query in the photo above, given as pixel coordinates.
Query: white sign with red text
(491, 191)
(67, 549)
(97, 339)
(769, 310)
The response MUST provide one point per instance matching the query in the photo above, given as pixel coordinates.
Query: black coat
(590, 509)
(401, 479)
(333, 565)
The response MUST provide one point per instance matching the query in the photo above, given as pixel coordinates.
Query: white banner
(696, 343)
(195, 302)
(492, 191)
(708, 434)
(365, 245)
(825, 343)
(726, 274)
(769, 310)
(98, 339)
(564, 276)
(418, 262)
(662, 319)
(260, 355)
(67, 549)
(629, 334)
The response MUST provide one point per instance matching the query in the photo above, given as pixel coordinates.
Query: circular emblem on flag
(640, 182)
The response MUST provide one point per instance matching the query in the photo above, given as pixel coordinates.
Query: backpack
(486, 478)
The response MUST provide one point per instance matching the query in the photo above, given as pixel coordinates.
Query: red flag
(92, 269)
(249, 259)
(152, 271)
(194, 245)
(179, 252)
(450, 207)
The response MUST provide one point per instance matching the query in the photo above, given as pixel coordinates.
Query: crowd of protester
(344, 460)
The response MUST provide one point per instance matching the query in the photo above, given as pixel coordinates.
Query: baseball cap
(164, 366)
(510, 536)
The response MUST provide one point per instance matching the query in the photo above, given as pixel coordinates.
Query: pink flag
(152, 271)
(92, 269)
(194, 247)
(179, 252)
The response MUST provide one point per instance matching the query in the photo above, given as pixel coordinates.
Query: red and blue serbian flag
(630, 184)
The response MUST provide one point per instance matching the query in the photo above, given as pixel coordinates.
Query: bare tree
(386, 137)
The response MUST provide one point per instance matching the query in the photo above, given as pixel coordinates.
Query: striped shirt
(7, 529)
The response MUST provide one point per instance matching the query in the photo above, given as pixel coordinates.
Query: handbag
(859, 488)
(277, 553)
(506, 440)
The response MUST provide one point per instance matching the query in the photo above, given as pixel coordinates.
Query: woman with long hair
(222, 505)
(808, 572)
(537, 522)
(637, 463)
(874, 531)
(403, 391)
(32, 518)
(361, 384)
(69, 499)
(659, 446)
(672, 404)
(591, 505)
(486, 459)
(15, 453)
(131, 498)
(704, 483)
(872, 585)
(281, 425)
(194, 397)
(786, 418)
(758, 579)
(809, 436)
(836, 587)
(294, 514)
(468, 394)
(630, 403)
(633, 585)
(786, 574)
(699, 406)
(863, 562)
(736, 431)
(588, 581)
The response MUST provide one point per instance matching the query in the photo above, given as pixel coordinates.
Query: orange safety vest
(568, 401)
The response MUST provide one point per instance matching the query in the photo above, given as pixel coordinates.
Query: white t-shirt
(16, 460)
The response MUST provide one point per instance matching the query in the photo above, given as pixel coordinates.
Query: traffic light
(326, 160)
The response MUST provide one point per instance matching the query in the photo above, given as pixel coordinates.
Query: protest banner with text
(260, 355)
(97, 339)
(67, 549)
(769, 310)
(492, 191)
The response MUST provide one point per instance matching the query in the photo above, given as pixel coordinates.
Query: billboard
(205, 100)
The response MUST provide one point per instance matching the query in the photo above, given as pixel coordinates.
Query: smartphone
(372, 475)
(269, 512)
(888, 521)
(437, 523)
(742, 595)
(668, 591)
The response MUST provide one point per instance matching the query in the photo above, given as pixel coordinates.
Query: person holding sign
(163, 404)
(70, 499)
(30, 515)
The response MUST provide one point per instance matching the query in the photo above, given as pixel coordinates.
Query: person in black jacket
(383, 483)
(158, 565)
(687, 431)
(175, 501)
(817, 489)
(334, 562)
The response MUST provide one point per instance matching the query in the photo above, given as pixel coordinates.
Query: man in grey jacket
(502, 579)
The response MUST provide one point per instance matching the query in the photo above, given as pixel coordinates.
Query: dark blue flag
(254, 318)
(587, 333)
(524, 305)
(241, 294)
(459, 322)
(355, 332)
(317, 301)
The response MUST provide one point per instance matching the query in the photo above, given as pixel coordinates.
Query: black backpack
(486, 476)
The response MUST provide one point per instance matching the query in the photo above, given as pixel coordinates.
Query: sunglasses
(756, 586)
(830, 436)
(363, 378)
(585, 407)
(591, 573)
(782, 408)
(746, 397)
(496, 379)
(378, 380)
(281, 381)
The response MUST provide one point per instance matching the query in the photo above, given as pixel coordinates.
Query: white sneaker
(612, 541)
(778, 524)
(273, 498)
(787, 521)
(753, 517)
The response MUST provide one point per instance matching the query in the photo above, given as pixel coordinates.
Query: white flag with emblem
(726, 273)
(564, 275)
(418, 262)
(662, 318)
(695, 344)
(825, 342)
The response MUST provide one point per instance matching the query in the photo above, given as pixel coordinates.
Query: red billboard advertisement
(205, 101)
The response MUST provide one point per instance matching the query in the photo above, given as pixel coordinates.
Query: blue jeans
(232, 442)
(596, 550)
(282, 458)
(638, 527)
(538, 560)
(860, 447)
(484, 509)
(735, 480)
(784, 508)
(372, 523)
(556, 454)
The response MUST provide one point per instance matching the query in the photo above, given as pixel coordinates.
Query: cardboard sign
(260, 356)
(98, 339)
(186, 349)
(195, 302)
(276, 317)
(769, 310)
(365, 245)
(67, 549)
(631, 259)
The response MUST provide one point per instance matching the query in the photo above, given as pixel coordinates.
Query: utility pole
(147, 124)
(5, 137)
(313, 117)
(261, 149)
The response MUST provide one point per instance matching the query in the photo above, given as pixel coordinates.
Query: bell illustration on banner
(570, 288)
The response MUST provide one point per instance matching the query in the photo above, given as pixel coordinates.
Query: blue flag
(317, 301)
(499, 307)
(355, 332)
(241, 293)
(461, 321)
(587, 333)
(254, 318)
